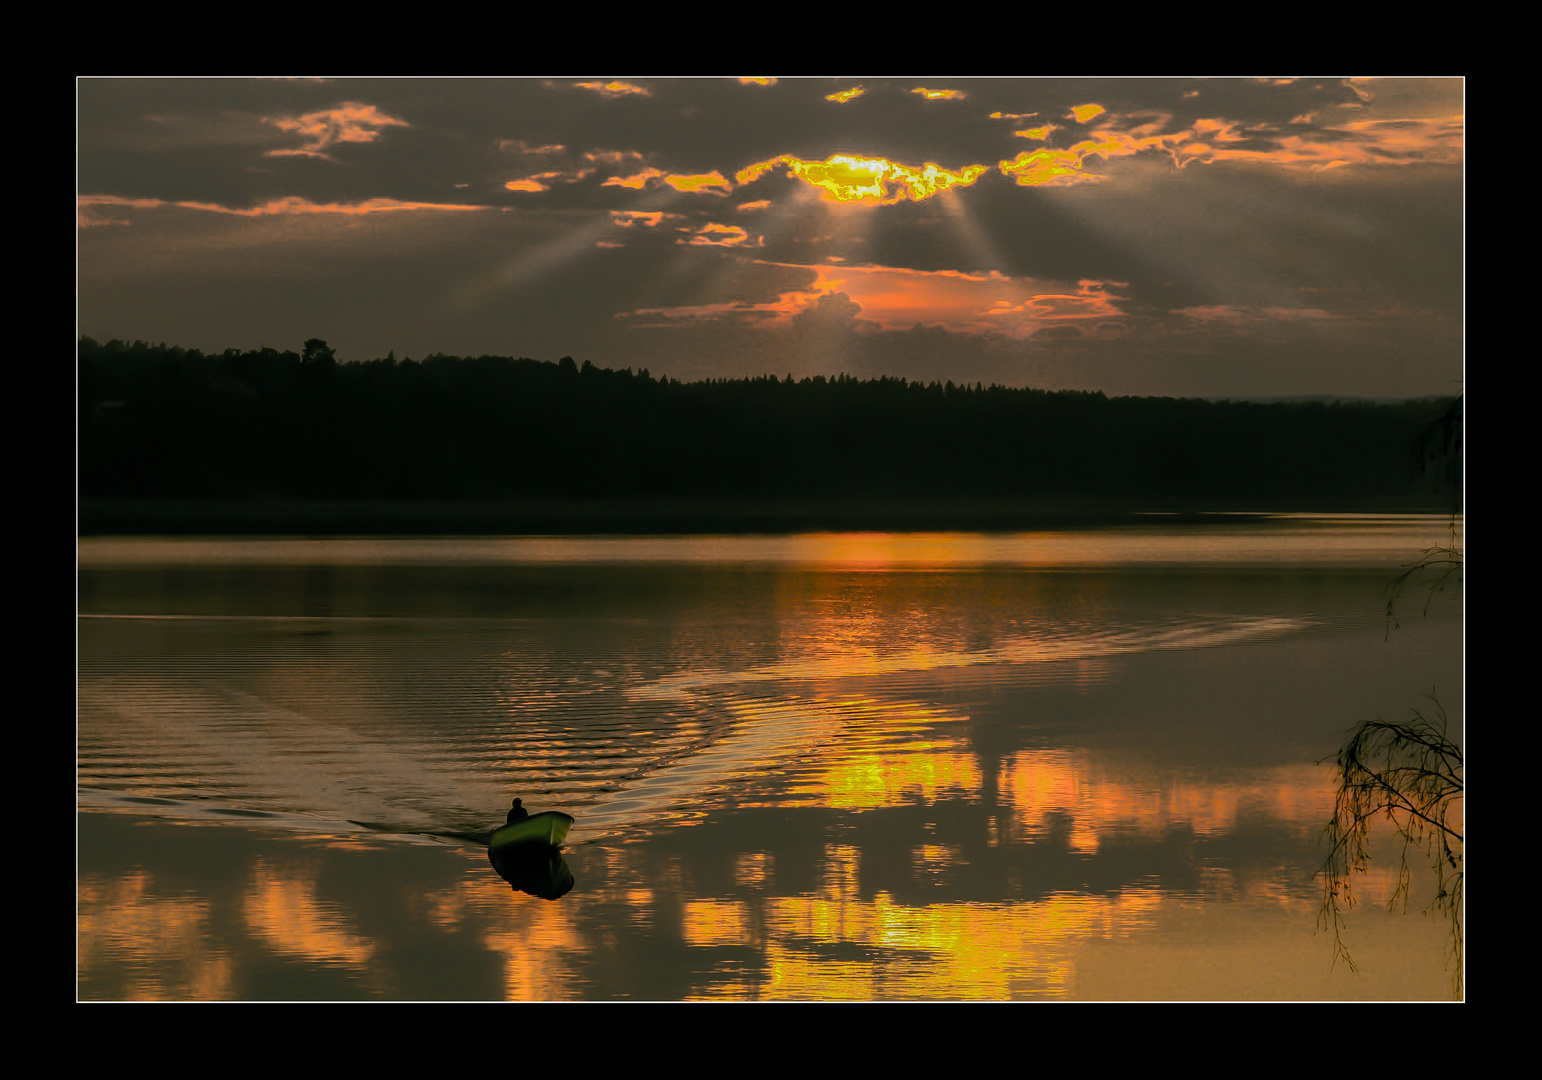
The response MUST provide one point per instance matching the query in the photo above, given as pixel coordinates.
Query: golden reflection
(718, 922)
(962, 950)
(285, 912)
(537, 939)
(753, 870)
(866, 781)
(1044, 786)
(161, 940)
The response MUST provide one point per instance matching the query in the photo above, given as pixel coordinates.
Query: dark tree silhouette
(316, 352)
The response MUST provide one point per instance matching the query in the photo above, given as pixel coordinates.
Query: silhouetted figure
(516, 812)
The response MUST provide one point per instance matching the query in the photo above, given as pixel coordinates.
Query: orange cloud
(720, 235)
(1040, 133)
(614, 88)
(1359, 142)
(758, 204)
(940, 95)
(756, 80)
(1083, 113)
(528, 184)
(714, 183)
(1236, 316)
(292, 205)
(843, 96)
(647, 218)
(613, 158)
(867, 181)
(1208, 140)
(87, 214)
(518, 146)
(637, 181)
(350, 122)
(895, 298)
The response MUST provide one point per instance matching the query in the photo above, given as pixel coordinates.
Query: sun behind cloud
(846, 178)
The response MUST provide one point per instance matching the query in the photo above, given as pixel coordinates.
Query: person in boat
(517, 812)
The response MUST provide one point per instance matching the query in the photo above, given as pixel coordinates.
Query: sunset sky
(1197, 237)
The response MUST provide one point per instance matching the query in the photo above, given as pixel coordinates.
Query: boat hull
(550, 827)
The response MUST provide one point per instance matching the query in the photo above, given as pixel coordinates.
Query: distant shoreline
(660, 517)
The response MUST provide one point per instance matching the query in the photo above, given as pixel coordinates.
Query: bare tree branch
(1409, 773)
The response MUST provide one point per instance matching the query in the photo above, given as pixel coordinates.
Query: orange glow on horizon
(896, 298)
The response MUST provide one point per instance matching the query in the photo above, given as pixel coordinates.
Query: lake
(1078, 765)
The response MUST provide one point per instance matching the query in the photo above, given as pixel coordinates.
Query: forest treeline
(161, 422)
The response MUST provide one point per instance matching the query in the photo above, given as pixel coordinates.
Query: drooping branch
(1411, 774)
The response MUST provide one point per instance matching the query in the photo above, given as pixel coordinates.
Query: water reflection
(790, 781)
(536, 869)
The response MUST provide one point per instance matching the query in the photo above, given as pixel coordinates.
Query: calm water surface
(1066, 765)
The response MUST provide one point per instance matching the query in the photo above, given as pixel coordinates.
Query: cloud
(756, 80)
(649, 219)
(940, 95)
(350, 122)
(637, 181)
(712, 183)
(717, 235)
(845, 178)
(289, 206)
(840, 97)
(896, 298)
(612, 158)
(1301, 144)
(88, 214)
(614, 88)
(1237, 315)
(519, 146)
